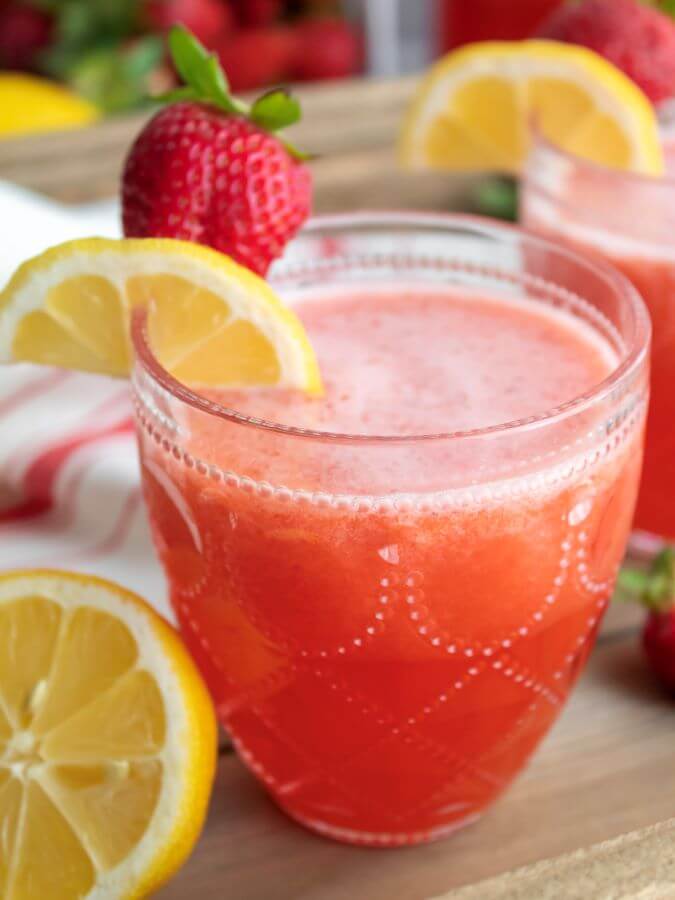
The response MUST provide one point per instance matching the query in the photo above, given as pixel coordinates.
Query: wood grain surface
(609, 765)
(351, 128)
(637, 864)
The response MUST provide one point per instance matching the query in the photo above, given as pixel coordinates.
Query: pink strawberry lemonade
(627, 220)
(389, 626)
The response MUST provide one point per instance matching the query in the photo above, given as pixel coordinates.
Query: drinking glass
(628, 220)
(390, 625)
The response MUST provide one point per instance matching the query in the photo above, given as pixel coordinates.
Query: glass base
(384, 840)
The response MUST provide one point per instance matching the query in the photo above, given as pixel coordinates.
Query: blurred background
(112, 52)
(67, 64)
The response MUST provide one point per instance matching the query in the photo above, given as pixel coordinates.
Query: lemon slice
(475, 109)
(31, 105)
(210, 320)
(107, 741)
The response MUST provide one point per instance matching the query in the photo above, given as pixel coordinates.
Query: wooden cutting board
(638, 864)
(607, 768)
(350, 128)
(609, 765)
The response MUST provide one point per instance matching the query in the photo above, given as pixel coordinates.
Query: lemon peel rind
(552, 59)
(248, 295)
(190, 749)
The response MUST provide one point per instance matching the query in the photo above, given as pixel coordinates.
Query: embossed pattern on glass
(387, 651)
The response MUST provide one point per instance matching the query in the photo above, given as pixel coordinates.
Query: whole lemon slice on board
(476, 107)
(210, 320)
(30, 105)
(107, 741)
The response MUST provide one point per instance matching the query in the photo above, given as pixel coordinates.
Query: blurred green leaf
(144, 56)
(47, 5)
(76, 23)
(633, 581)
(116, 78)
(497, 196)
(110, 18)
(84, 27)
(655, 587)
(58, 60)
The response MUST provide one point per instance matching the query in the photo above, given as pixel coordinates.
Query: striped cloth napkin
(69, 485)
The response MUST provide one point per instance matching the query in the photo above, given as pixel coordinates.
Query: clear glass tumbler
(628, 220)
(389, 625)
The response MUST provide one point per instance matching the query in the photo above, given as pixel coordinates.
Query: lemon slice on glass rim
(210, 320)
(107, 741)
(476, 106)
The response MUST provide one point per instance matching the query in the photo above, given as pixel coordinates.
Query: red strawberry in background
(259, 12)
(24, 32)
(656, 591)
(659, 644)
(637, 39)
(211, 169)
(208, 20)
(254, 57)
(327, 48)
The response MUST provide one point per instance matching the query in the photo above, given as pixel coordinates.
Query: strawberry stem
(655, 587)
(206, 82)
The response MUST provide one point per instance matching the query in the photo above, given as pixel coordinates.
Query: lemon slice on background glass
(210, 320)
(475, 109)
(107, 741)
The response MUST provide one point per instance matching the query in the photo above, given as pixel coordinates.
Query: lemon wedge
(210, 320)
(107, 741)
(30, 105)
(476, 107)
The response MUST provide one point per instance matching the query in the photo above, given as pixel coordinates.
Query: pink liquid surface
(408, 363)
(389, 630)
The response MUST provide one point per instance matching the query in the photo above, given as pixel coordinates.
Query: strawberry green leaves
(655, 587)
(655, 590)
(206, 82)
(204, 78)
(276, 110)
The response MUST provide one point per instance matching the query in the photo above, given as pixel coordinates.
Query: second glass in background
(629, 220)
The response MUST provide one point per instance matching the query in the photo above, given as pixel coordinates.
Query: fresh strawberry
(637, 39)
(24, 32)
(255, 57)
(208, 20)
(256, 13)
(211, 169)
(656, 591)
(327, 48)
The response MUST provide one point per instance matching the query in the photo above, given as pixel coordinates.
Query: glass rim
(634, 357)
(623, 175)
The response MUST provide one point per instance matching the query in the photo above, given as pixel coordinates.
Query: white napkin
(69, 486)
